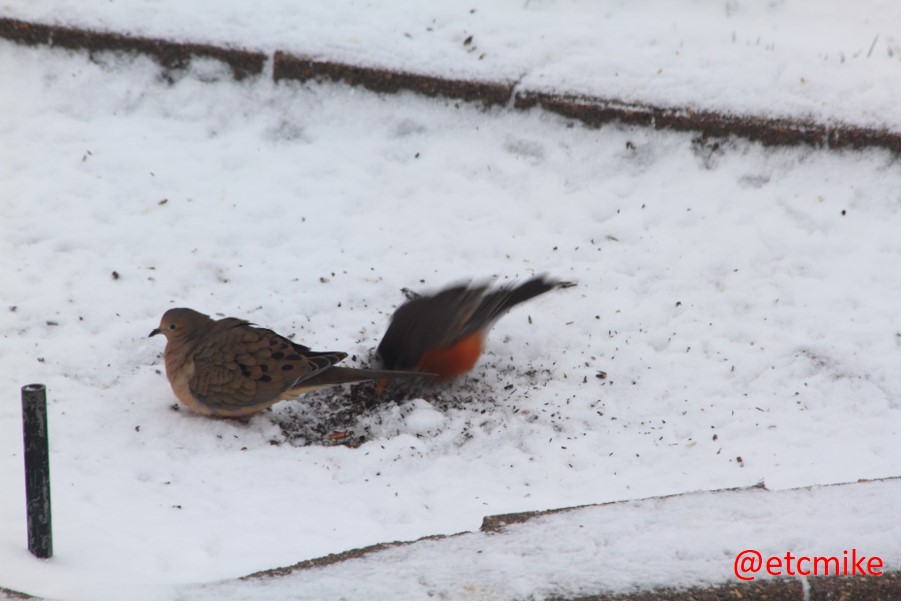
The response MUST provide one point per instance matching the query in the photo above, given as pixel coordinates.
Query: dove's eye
(173, 326)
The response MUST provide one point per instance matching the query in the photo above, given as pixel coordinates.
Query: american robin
(232, 368)
(444, 334)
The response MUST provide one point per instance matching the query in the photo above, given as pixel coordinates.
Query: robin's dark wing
(426, 323)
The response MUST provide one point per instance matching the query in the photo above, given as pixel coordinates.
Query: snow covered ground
(736, 320)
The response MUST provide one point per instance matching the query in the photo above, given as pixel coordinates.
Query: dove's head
(181, 323)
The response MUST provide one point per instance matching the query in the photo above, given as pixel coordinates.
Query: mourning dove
(232, 368)
(445, 333)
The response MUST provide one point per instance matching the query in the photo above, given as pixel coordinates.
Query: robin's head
(179, 323)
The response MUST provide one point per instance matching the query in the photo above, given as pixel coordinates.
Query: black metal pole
(37, 470)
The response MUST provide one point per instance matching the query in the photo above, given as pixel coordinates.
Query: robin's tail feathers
(511, 296)
(496, 303)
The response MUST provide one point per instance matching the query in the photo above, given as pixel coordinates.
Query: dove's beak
(154, 332)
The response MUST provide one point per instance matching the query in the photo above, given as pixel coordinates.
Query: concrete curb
(766, 130)
(592, 111)
(380, 80)
(170, 55)
(812, 588)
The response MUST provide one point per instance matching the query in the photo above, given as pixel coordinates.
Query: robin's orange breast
(453, 360)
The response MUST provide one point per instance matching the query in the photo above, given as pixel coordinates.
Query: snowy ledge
(684, 547)
(592, 111)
